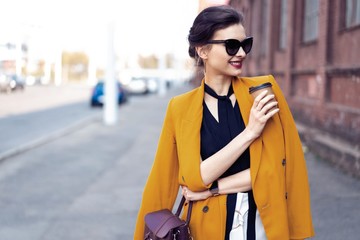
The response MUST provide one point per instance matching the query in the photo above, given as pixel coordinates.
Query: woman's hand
(195, 196)
(260, 113)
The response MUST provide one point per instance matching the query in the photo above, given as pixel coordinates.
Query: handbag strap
(181, 204)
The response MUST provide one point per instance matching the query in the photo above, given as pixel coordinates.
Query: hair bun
(192, 51)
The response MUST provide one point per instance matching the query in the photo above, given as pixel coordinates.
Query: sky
(141, 26)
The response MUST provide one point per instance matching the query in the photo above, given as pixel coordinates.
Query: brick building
(312, 49)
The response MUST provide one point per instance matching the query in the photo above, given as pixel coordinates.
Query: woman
(237, 158)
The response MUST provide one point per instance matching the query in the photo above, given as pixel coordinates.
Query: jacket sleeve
(297, 185)
(162, 185)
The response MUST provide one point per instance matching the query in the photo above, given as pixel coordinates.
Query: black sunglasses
(232, 46)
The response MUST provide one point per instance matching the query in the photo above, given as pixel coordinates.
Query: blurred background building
(312, 49)
(57, 42)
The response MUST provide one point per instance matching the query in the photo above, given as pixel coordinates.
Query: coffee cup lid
(255, 88)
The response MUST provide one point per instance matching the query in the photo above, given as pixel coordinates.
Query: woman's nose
(241, 52)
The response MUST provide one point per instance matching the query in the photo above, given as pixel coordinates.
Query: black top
(214, 136)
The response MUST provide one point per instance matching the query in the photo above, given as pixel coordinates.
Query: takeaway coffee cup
(256, 90)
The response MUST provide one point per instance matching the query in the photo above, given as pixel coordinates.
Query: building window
(352, 14)
(283, 27)
(311, 20)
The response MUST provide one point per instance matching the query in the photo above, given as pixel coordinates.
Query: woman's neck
(220, 85)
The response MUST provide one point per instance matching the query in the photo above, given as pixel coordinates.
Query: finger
(268, 106)
(186, 196)
(267, 98)
(264, 101)
(184, 191)
(271, 113)
(259, 97)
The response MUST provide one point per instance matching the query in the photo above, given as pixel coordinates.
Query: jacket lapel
(195, 112)
(245, 101)
(189, 142)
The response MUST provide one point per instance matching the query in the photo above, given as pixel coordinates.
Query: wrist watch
(214, 189)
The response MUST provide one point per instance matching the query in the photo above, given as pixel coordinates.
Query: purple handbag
(164, 225)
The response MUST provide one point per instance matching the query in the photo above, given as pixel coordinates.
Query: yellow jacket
(278, 169)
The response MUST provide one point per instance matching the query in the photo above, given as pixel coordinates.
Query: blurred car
(97, 96)
(137, 85)
(153, 85)
(16, 82)
(11, 82)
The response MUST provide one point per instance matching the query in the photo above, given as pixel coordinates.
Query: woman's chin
(237, 73)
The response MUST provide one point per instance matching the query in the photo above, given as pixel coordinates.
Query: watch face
(214, 189)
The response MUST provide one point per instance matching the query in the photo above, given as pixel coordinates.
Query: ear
(202, 52)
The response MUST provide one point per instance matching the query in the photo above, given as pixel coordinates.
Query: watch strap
(214, 189)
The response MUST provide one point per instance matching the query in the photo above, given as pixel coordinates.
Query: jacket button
(283, 162)
(205, 209)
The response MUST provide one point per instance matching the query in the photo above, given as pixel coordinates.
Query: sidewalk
(338, 152)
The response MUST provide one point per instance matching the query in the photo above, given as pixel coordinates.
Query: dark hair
(207, 23)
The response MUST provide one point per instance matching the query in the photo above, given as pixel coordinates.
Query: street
(28, 116)
(85, 180)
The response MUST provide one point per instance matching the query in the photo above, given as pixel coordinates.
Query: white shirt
(240, 221)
